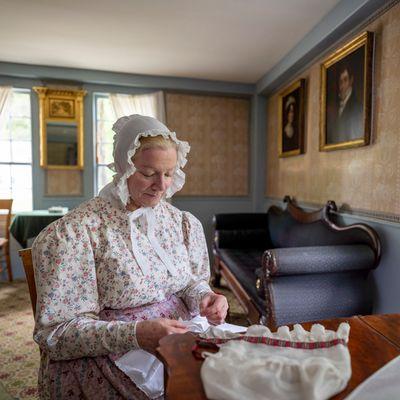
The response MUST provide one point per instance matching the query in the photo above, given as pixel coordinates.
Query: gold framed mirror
(61, 128)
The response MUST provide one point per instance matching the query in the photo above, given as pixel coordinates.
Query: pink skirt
(98, 377)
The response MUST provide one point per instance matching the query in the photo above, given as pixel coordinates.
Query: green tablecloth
(26, 225)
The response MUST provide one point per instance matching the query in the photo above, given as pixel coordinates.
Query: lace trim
(317, 334)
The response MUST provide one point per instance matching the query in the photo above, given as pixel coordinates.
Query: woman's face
(155, 168)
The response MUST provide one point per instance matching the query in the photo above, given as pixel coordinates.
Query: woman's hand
(214, 307)
(149, 333)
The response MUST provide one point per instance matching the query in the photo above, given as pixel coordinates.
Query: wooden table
(374, 341)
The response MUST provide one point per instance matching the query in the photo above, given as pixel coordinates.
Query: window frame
(17, 163)
(97, 96)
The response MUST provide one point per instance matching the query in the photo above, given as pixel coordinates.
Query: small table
(374, 341)
(29, 224)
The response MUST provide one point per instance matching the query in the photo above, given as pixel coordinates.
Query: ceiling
(228, 40)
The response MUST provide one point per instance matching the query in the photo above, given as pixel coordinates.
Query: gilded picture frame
(61, 128)
(291, 119)
(346, 87)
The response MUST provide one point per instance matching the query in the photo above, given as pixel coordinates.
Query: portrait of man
(344, 99)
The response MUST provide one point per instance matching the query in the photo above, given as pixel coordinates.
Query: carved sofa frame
(291, 266)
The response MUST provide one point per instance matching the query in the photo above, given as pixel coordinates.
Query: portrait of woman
(290, 114)
(291, 121)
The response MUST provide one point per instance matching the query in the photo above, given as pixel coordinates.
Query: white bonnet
(128, 130)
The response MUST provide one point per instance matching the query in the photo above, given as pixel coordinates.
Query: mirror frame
(46, 95)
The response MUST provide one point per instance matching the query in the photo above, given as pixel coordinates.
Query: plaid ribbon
(212, 343)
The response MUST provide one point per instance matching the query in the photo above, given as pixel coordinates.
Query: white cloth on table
(290, 365)
(384, 384)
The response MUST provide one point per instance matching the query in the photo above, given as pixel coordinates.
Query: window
(16, 153)
(105, 119)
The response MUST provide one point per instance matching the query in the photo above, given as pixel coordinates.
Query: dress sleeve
(67, 325)
(199, 262)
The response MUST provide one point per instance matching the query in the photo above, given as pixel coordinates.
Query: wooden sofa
(289, 266)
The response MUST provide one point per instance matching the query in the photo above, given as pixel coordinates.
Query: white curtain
(5, 100)
(150, 104)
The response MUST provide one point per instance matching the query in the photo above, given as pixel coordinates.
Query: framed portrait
(346, 85)
(291, 119)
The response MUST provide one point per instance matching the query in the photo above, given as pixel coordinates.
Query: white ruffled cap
(128, 131)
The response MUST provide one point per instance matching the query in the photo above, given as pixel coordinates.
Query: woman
(117, 272)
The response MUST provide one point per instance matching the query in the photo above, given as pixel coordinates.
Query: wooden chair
(6, 204)
(26, 256)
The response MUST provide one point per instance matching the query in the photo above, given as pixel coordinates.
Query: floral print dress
(89, 285)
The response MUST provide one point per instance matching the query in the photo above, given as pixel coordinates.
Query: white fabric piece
(384, 384)
(149, 104)
(200, 324)
(5, 101)
(147, 372)
(128, 131)
(243, 370)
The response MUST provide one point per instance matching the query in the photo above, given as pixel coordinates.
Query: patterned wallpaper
(217, 129)
(64, 182)
(366, 178)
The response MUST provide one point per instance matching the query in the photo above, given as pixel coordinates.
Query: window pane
(5, 194)
(104, 176)
(20, 128)
(21, 104)
(5, 151)
(105, 132)
(16, 180)
(5, 177)
(22, 199)
(104, 139)
(21, 152)
(21, 176)
(5, 130)
(105, 110)
(104, 153)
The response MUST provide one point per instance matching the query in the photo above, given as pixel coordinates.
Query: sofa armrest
(317, 259)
